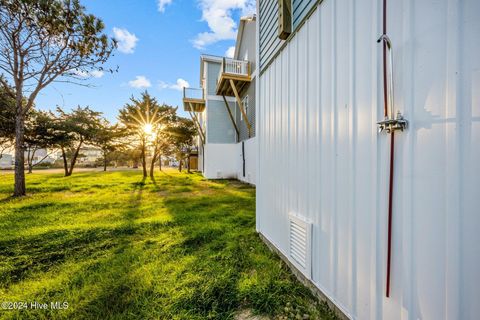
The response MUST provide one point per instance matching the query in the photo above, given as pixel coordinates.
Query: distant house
(43, 156)
(6, 161)
(89, 156)
(369, 173)
(224, 110)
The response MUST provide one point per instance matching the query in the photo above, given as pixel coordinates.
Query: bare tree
(41, 42)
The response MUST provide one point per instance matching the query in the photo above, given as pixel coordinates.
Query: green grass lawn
(114, 246)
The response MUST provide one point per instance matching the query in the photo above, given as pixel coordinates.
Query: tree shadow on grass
(207, 262)
(122, 292)
(230, 267)
(107, 257)
(7, 199)
(213, 241)
(132, 211)
(27, 256)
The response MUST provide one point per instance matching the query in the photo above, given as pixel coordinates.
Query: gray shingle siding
(300, 9)
(268, 24)
(219, 125)
(269, 41)
(213, 69)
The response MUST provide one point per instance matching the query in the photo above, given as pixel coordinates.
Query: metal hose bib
(391, 123)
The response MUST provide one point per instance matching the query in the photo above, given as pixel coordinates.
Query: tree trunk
(31, 156)
(29, 160)
(160, 162)
(74, 158)
(180, 165)
(144, 160)
(155, 155)
(188, 163)
(104, 161)
(19, 188)
(152, 166)
(65, 164)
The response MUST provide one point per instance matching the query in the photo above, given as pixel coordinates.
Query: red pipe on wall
(392, 152)
(390, 210)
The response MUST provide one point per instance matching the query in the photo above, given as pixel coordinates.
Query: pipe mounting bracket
(389, 125)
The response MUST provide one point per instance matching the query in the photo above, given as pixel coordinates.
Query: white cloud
(140, 82)
(126, 41)
(97, 73)
(219, 16)
(230, 52)
(162, 4)
(88, 74)
(181, 83)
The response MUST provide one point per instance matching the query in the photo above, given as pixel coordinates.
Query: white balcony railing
(193, 93)
(235, 67)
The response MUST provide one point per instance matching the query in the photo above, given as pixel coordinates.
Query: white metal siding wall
(321, 157)
(250, 161)
(220, 161)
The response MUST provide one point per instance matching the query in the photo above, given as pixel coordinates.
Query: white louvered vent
(300, 244)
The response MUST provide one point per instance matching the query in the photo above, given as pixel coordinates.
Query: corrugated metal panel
(249, 152)
(320, 155)
(300, 9)
(269, 43)
(220, 161)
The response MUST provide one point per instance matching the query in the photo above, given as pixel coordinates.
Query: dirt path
(61, 170)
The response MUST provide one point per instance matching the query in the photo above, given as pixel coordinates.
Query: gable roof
(241, 27)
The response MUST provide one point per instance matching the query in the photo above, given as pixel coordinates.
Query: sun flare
(148, 128)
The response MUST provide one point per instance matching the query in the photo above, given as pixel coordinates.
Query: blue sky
(160, 42)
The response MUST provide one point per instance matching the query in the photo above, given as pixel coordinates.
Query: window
(245, 107)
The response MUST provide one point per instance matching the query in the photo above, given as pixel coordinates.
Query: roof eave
(241, 28)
